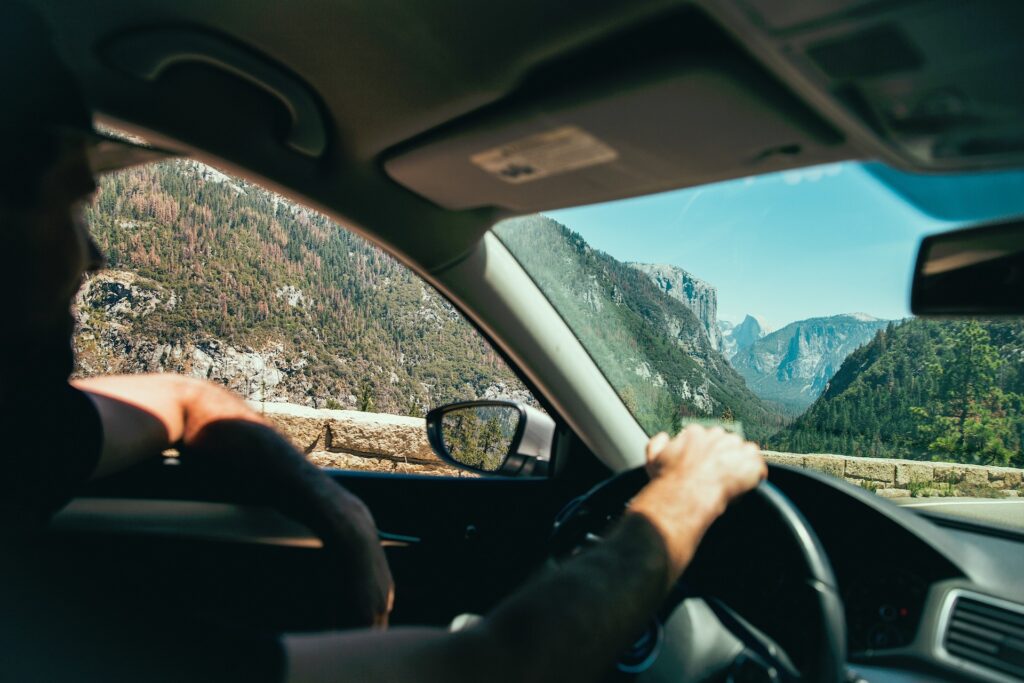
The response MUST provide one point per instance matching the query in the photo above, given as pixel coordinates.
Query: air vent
(986, 633)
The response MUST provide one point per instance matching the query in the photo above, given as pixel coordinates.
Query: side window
(336, 342)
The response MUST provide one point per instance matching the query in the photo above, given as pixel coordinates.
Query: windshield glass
(780, 304)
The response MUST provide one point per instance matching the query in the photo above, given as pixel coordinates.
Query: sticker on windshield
(545, 154)
(731, 426)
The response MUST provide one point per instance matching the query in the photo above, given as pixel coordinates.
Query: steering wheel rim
(578, 524)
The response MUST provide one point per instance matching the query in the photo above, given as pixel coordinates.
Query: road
(1008, 512)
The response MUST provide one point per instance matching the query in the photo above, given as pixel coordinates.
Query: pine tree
(972, 420)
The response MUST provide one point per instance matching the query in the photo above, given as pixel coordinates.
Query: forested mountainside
(650, 345)
(930, 390)
(792, 366)
(216, 277)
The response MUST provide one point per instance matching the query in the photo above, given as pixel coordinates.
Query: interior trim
(193, 520)
(149, 53)
(952, 522)
(946, 613)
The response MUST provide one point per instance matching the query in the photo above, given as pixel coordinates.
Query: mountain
(214, 277)
(650, 345)
(736, 338)
(792, 366)
(694, 293)
(931, 390)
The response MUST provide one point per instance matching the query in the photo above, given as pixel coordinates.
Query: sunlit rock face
(111, 311)
(699, 296)
(792, 366)
(736, 338)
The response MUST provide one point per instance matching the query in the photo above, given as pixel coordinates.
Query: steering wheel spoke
(762, 659)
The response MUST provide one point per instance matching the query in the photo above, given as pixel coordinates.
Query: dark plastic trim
(924, 302)
(148, 53)
(952, 522)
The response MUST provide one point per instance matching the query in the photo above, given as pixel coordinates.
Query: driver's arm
(570, 624)
(142, 415)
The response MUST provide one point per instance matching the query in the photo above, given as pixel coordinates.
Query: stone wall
(904, 478)
(353, 440)
(377, 442)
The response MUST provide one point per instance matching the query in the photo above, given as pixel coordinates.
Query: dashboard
(883, 610)
(925, 599)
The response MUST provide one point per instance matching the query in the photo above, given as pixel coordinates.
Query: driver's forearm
(681, 510)
(141, 416)
(145, 414)
(568, 625)
(571, 625)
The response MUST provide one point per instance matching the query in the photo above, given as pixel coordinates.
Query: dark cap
(40, 96)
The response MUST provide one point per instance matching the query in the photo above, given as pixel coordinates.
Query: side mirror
(505, 438)
(976, 271)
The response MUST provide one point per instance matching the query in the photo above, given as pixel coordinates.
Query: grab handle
(148, 54)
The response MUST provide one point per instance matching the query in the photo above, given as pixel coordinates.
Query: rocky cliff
(792, 366)
(651, 345)
(697, 295)
(214, 277)
(737, 338)
(112, 310)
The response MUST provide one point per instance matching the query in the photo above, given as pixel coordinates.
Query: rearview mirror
(976, 271)
(492, 437)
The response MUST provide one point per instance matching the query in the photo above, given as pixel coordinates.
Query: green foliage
(480, 437)
(972, 419)
(919, 489)
(969, 490)
(366, 392)
(249, 269)
(924, 390)
(868, 485)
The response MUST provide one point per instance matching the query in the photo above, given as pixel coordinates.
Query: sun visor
(686, 126)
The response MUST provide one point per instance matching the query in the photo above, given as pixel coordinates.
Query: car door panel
(454, 544)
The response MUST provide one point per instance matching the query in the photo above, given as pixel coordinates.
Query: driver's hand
(715, 462)
(694, 476)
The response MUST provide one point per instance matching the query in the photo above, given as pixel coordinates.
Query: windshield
(779, 304)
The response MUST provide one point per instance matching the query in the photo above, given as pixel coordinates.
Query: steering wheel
(731, 616)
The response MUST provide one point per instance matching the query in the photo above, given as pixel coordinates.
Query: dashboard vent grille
(987, 635)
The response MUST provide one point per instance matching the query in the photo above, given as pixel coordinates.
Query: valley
(214, 277)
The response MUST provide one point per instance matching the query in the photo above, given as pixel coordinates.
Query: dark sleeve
(51, 443)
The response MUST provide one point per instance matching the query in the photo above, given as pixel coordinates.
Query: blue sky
(797, 244)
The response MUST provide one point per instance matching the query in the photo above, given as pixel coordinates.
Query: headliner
(406, 89)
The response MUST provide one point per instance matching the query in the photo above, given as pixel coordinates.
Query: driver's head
(50, 155)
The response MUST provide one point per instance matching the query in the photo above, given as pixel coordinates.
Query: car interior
(391, 118)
